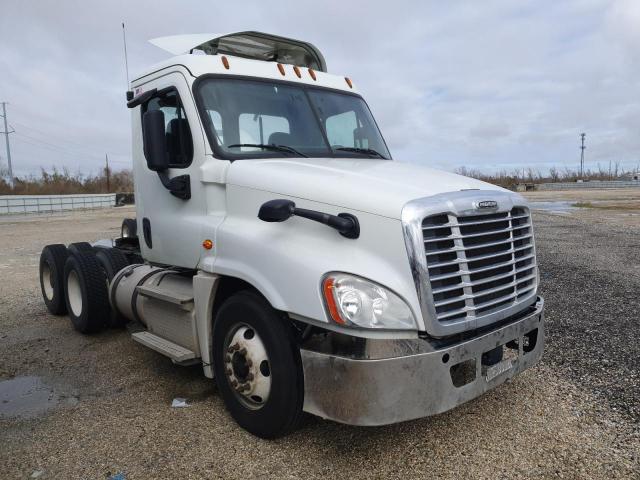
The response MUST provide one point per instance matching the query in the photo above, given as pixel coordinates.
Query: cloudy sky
(486, 84)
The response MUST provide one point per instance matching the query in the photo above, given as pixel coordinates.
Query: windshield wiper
(366, 151)
(277, 148)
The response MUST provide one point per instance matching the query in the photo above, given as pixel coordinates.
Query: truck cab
(279, 245)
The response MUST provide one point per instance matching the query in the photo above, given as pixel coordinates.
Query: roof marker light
(312, 73)
(281, 68)
(348, 80)
(225, 62)
(297, 70)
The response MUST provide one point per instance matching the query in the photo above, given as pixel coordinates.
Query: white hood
(380, 187)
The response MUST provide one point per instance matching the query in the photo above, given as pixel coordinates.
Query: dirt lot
(620, 207)
(100, 405)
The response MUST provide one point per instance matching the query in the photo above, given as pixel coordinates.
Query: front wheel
(257, 366)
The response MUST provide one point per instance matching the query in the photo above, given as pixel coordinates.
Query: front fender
(286, 261)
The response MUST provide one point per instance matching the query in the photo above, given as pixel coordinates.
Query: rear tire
(135, 259)
(129, 228)
(80, 247)
(269, 355)
(86, 293)
(52, 261)
(112, 261)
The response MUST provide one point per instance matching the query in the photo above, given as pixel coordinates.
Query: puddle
(29, 397)
(554, 207)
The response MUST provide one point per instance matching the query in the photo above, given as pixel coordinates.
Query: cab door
(169, 225)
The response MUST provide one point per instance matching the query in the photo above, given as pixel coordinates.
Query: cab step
(172, 350)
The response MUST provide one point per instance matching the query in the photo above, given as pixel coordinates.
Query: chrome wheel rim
(247, 366)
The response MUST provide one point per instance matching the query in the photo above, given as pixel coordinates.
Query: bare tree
(63, 182)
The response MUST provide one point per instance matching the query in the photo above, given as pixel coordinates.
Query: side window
(343, 130)
(177, 132)
(256, 128)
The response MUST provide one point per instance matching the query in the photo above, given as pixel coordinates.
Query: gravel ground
(575, 415)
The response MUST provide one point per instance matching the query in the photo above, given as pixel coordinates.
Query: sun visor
(254, 45)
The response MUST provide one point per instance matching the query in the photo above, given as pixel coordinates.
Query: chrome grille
(479, 264)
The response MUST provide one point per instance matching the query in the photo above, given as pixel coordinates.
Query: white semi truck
(277, 244)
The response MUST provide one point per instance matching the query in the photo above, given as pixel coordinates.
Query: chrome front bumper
(381, 391)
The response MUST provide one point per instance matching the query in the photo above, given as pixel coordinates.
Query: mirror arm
(345, 223)
(179, 186)
(142, 98)
(280, 210)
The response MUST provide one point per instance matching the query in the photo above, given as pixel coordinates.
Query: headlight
(354, 301)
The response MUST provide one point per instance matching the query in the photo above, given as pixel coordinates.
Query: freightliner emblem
(486, 204)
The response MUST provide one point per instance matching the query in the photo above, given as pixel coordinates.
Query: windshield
(258, 119)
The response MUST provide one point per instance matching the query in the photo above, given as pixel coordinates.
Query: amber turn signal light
(207, 244)
(225, 62)
(327, 290)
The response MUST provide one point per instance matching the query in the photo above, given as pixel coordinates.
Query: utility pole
(6, 138)
(107, 172)
(582, 147)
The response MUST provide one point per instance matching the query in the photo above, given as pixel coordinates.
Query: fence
(12, 204)
(593, 184)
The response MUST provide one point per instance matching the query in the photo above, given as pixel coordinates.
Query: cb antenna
(126, 62)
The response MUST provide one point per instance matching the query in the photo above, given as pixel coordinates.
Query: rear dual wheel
(257, 365)
(52, 260)
(77, 247)
(75, 280)
(129, 228)
(112, 261)
(86, 292)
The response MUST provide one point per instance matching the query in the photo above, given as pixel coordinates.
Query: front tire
(257, 366)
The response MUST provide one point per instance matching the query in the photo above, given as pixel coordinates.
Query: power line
(77, 151)
(51, 148)
(62, 151)
(60, 147)
(42, 132)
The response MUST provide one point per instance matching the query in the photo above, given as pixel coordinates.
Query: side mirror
(155, 140)
(360, 139)
(276, 210)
